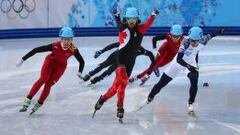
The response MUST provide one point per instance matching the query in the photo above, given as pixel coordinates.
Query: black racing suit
(110, 61)
(130, 42)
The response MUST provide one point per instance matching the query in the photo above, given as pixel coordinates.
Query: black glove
(116, 12)
(97, 54)
(155, 12)
(192, 68)
(222, 30)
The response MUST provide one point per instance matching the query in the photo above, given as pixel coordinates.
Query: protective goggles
(194, 41)
(132, 20)
(176, 36)
(67, 38)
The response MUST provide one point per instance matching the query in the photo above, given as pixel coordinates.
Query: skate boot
(120, 114)
(191, 110)
(35, 108)
(86, 77)
(156, 72)
(144, 79)
(26, 104)
(98, 105)
(95, 80)
(132, 79)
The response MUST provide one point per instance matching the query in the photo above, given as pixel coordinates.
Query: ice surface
(69, 107)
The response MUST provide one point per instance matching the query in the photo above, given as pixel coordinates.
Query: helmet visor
(194, 42)
(67, 38)
(132, 19)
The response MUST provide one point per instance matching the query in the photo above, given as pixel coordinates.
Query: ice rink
(70, 105)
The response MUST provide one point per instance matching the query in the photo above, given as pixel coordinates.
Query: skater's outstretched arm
(81, 61)
(40, 49)
(107, 48)
(219, 32)
(204, 40)
(144, 27)
(121, 25)
(157, 38)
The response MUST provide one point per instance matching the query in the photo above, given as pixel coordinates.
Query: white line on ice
(234, 38)
(6, 75)
(220, 53)
(227, 125)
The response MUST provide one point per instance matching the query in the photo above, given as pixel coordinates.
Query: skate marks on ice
(170, 121)
(232, 126)
(69, 109)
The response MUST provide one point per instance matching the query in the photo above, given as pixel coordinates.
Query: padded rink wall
(44, 18)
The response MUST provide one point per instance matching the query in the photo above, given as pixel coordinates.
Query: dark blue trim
(98, 31)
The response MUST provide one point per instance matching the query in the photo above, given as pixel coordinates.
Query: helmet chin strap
(64, 47)
(71, 47)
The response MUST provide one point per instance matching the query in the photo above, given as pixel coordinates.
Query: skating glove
(155, 12)
(222, 30)
(80, 75)
(19, 63)
(116, 12)
(97, 54)
(192, 68)
(219, 32)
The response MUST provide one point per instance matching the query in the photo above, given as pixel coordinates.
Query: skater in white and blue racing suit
(187, 58)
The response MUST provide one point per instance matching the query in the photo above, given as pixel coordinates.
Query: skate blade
(141, 105)
(91, 85)
(80, 82)
(32, 113)
(120, 120)
(138, 108)
(24, 109)
(131, 82)
(192, 114)
(142, 83)
(94, 113)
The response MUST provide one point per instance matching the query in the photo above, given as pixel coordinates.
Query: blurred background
(26, 24)
(43, 18)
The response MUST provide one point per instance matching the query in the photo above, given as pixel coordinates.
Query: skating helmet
(195, 33)
(132, 13)
(66, 32)
(176, 30)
